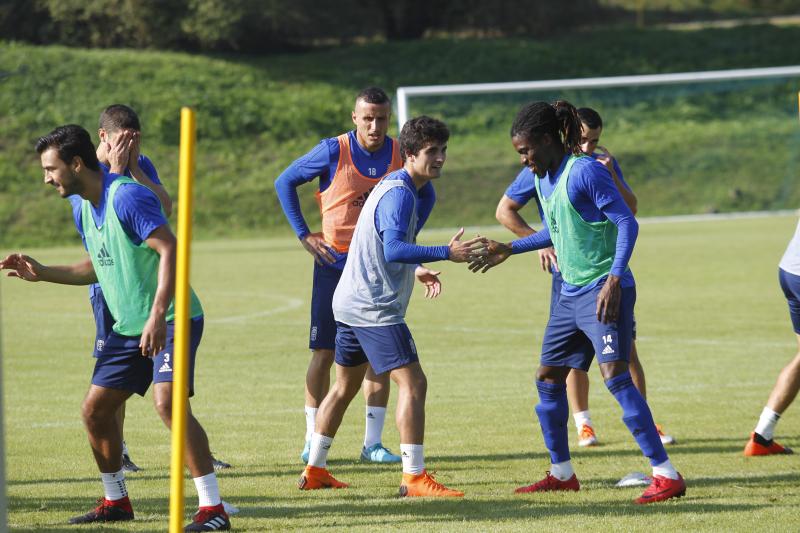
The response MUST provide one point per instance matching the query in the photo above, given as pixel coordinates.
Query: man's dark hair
(590, 117)
(420, 132)
(373, 95)
(559, 120)
(119, 117)
(70, 141)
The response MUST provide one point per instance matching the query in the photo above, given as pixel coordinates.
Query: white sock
(562, 471)
(581, 418)
(665, 469)
(114, 485)
(766, 423)
(124, 448)
(207, 490)
(413, 458)
(311, 417)
(320, 444)
(374, 429)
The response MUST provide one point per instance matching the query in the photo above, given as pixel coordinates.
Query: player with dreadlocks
(593, 232)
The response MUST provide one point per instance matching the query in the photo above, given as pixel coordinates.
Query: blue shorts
(322, 334)
(383, 347)
(790, 284)
(133, 372)
(103, 319)
(574, 335)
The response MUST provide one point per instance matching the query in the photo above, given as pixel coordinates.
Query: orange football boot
(424, 485)
(314, 477)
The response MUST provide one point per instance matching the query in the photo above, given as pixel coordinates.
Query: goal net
(706, 142)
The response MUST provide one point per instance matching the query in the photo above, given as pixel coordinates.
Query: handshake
(481, 253)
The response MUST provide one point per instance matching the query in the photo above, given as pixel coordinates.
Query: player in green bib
(593, 232)
(131, 254)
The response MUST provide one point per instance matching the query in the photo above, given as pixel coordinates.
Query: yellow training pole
(180, 387)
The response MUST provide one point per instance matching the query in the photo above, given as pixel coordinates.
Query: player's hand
(136, 150)
(608, 300)
(497, 252)
(119, 152)
(466, 251)
(548, 259)
(429, 278)
(315, 244)
(23, 267)
(606, 158)
(154, 336)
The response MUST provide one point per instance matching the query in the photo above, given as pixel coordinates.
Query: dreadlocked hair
(559, 120)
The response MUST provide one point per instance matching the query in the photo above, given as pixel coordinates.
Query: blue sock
(636, 415)
(553, 413)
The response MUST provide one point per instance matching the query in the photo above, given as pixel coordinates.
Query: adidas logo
(361, 200)
(553, 224)
(103, 257)
(370, 415)
(165, 368)
(608, 350)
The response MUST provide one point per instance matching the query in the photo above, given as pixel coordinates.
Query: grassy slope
(711, 355)
(257, 114)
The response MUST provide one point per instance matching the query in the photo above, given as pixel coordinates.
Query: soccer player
(521, 190)
(593, 232)
(348, 167)
(114, 120)
(785, 390)
(370, 304)
(131, 253)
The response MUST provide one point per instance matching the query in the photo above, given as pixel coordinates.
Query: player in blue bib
(593, 232)
(517, 195)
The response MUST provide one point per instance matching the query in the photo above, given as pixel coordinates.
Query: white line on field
(291, 304)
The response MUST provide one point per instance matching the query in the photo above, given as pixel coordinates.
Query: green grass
(687, 151)
(713, 335)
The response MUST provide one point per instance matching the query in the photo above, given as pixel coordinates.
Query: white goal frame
(404, 93)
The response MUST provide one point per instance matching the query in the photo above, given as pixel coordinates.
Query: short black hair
(590, 117)
(119, 117)
(420, 132)
(70, 141)
(373, 95)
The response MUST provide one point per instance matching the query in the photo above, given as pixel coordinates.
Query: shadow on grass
(151, 514)
(398, 511)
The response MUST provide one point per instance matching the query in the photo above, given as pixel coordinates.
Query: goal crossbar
(585, 83)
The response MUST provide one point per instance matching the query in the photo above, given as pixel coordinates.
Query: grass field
(713, 335)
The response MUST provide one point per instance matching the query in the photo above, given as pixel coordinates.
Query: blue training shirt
(392, 215)
(321, 162)
(595, 197)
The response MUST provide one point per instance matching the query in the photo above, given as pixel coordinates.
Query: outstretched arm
(508, 214)
(25, 267)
